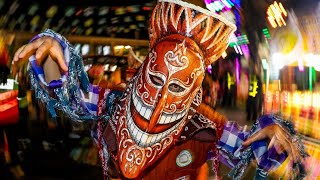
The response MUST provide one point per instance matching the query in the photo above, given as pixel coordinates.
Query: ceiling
(108, 18)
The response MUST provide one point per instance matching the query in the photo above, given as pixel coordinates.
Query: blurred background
(272, 65)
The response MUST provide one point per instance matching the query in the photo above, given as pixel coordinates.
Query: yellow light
(283, 10)
(272, 22)
(119, 47)
(276, 14)
(224, 54)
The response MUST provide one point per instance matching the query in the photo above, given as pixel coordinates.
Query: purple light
(225, 9)
(245, 50)
(209, 69)
(207, 1)
(300, 65)
(237, 71)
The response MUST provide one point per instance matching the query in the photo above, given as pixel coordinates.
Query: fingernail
(65, 68)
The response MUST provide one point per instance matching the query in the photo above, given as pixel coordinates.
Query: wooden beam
(106, 40)
(96, 40)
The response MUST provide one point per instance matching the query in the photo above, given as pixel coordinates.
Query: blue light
(219, 5)
(225, 2)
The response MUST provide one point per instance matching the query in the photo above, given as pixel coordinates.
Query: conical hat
(209, 30)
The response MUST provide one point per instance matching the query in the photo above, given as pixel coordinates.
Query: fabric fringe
(68, 97)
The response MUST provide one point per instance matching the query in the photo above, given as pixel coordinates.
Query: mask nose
(158, 109)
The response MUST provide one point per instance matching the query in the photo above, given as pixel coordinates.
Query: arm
(57, 76)
(239, 148)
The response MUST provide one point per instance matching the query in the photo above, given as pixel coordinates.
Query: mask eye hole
(176, 88)
(156, 80)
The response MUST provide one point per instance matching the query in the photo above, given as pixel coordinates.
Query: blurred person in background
(255, 95)
(210, 91)
(229, 93)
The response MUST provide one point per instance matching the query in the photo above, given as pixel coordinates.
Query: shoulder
(113, 95)
(205, 125)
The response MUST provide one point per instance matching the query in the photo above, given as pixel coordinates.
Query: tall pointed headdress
(209, 30)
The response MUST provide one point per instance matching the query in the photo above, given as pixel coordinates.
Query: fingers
(256, 137)
(29, 49)
(23, 53)
(288, 174)
(57, 54)
(53, 48)
(277, 146)
(295, 152)
(272, 142)
(16, 55)
(15, 63)
(279, 139)
(14, 69)
(42, 47)
(287, 145)
(283, 140)
(43, 50)
(275, 143)
(293, 146)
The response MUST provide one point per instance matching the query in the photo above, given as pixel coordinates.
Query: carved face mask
(162, 96)
(163, 92)
(156, 106)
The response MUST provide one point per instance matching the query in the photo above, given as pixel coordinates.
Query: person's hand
(42, 48)
(277, 138)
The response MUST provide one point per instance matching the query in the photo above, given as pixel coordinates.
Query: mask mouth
(139, 110)
(145, 111)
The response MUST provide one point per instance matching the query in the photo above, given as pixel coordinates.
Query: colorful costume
(156, 128)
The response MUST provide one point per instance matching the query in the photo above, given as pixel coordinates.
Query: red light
(146, 8)
(79, 12)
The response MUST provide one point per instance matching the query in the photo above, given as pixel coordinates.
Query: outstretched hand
(277, 138)
(41, 48)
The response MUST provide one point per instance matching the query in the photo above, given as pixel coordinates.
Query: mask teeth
(142, 138)
(146, 112)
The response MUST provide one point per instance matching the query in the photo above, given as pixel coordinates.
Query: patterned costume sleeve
(67, 93)
(237, 157)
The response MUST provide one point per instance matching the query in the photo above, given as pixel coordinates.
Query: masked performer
(157, 128)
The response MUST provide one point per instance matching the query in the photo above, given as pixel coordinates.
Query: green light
(232, 44)
(265, 64)
(310, 78)
(266, 33)
(239, 40)
(230, 2)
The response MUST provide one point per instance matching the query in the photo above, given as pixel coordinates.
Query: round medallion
(184, 158)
